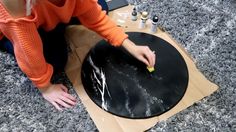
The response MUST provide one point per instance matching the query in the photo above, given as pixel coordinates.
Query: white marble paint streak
(127, 102)
(98, 73)
(150, 99)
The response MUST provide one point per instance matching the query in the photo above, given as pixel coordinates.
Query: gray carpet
(206, 29)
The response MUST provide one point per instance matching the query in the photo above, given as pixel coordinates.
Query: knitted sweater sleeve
(91, 16)
(28, 51)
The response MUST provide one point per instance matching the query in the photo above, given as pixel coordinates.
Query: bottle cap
(155, 18)
(144, 15)
(134, 13)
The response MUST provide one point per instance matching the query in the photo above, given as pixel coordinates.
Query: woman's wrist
(128, 45)
(42, 89)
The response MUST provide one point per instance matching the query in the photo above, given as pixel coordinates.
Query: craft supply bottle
(144, 17)
(154, 24)
(134, 15)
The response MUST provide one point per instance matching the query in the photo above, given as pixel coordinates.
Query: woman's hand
(57, 95)
(142, 53)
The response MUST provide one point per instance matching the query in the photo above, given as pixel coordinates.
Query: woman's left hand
(142, 53)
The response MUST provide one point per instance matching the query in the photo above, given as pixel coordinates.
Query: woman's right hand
(58, 96)
(142, 53)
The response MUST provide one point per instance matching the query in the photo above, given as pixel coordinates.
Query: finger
(65, 89)
(62, 103)
(69, 96)
(154, 59)
(68, 100)
(144, 60)
(151, 54)
(56, 105)
(148, 58)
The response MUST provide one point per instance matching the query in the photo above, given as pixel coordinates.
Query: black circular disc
(122, 85)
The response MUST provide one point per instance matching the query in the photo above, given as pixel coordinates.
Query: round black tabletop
(122, 85)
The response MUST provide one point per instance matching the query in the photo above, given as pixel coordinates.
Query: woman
(36, 30)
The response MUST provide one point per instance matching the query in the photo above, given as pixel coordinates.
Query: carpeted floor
(206, 29)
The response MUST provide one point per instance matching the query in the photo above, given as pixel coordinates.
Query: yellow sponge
(151, 69)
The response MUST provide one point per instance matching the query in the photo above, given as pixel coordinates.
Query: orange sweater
(22, 32)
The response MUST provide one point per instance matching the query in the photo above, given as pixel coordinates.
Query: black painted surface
(132, 91)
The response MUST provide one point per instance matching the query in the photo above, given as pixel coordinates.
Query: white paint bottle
(154, 24)
(144, 17)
